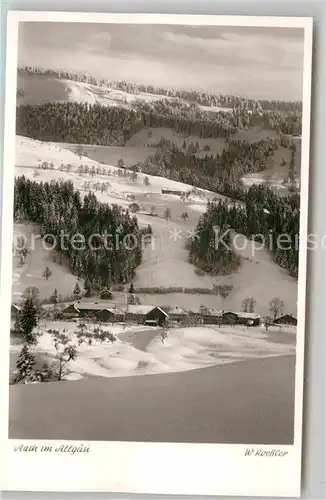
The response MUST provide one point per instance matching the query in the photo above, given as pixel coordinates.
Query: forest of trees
(59, 209)
(263, 213)
(84, 123)
(220, 173)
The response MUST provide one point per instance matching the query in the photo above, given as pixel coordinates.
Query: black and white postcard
(153, 259)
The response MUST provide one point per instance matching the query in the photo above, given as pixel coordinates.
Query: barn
(137, 313)
(230, 318)
(110, 316)
(241, 318)
(70, 311)
(251, 319)
(287, 319)
(158, 315)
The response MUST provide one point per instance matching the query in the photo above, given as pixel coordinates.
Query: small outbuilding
(249, 319)
(157, 314)
(106, 294)
(287, 319)
(70, 311)
(110, 316)
(15, 311)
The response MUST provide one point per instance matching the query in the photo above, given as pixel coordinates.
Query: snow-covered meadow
(139, 350)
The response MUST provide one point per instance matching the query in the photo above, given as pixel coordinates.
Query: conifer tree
(47, 273)
(54, 297)
(24, 365)
(87, 288)
(76, 294)
(28, 321)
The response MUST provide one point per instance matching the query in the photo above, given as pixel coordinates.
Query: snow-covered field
(165, 264)
(139, 350)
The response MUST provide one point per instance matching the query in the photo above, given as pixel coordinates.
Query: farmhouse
(88, 309)
(158, 315)
(177, 314)
(287, 319)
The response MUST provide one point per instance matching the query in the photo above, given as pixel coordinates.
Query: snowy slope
(166, 263)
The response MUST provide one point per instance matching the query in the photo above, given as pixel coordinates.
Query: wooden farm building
(86, 309)
(206, 316)
(158, 315)
(137, 313)
(110, 316)
(241, 318)
(177, 314)
(70, 311)
(287, 319)
(92, 308)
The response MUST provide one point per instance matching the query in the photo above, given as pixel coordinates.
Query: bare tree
(276, 307)
(267, 321)
(248, 305)
(134, 176)
(163, 335)
(65, 352)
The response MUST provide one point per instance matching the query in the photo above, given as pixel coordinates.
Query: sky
(259, 63)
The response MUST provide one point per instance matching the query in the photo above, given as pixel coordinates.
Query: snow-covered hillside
(38, 89)
(165, 263)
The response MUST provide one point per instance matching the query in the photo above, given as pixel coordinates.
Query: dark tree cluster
(78, 123)
(263, 216)
(83, 123)
(220, 173)
(207, 253)
(109, 248)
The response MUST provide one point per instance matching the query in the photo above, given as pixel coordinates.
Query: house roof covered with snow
(140, 309)
(94, 306)
(247, 315)
(112, 311)
(159, 309)
(177, 310)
